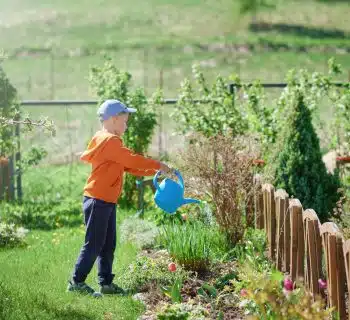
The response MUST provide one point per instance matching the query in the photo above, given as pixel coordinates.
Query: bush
(209, 111)
(252, 250)
(265, 298)
(141, 232)
(182, 311)
(8, 110)
(192, 244)
(41, 215)
(147, 272)
(299, 166)
(222, 168)
(12, 236)
(111, 83)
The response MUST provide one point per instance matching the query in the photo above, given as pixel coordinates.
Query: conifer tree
(299, 167)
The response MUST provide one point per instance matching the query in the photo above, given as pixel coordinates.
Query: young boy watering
(109, 159)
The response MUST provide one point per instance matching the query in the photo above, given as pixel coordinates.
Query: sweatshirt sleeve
(117, 152)
(140, 172)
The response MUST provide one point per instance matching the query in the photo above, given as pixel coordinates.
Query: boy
(109, 160)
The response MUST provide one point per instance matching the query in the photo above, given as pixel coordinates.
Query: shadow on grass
(59, 313)
(299, 30)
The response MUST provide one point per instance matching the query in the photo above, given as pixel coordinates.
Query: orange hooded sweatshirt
(109, 159)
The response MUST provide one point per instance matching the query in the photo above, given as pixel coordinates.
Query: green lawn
(150, 36)
(33, 281)
(160, 34)
(107, 23)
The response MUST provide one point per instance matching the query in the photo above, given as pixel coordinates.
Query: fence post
(346, 249)
(270, 218)
(18, 162)
(11, 185)
(313, 244)
(333, 246)
(297, 240)
(258, 203)
(4, 178)
(281, 200)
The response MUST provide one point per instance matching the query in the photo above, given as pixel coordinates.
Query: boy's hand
(165, 168)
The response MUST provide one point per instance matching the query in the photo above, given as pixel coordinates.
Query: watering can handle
(155, 179)
(181, 180)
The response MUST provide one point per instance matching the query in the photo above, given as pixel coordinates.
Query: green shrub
(299, 166)
(111, 83)
(8, 110)
(265, 298)
(147, 272)
(251, 249)
(42, 215)
(193, 244)
(182, 311)
(11, 235)
(141, 232)
(209, 110)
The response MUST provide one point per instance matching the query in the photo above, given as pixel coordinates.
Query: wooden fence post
(346, 248)
(258, 203)
(4, 179)
(332, 241)
(313, 244)
(270, 218)
(282, 203)
(297, 240)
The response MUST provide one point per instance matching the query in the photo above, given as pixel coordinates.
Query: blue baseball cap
(111, 108)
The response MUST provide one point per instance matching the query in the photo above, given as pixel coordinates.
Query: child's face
(120, 123)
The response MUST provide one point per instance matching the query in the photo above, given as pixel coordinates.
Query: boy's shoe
(112, 289)
(83, 288)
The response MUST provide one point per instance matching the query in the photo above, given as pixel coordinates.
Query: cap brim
(131, 110)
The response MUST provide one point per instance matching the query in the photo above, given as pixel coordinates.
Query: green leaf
(176, 292)
(276, 276)
(212, 291)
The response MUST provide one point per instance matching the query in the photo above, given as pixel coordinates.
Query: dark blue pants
(100, 241)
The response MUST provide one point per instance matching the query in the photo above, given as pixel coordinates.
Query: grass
(81, 24)
(52, 46)
(160, 34)
(33, 281)
(55, 182)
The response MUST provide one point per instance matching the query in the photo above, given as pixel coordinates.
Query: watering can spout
(189, 200)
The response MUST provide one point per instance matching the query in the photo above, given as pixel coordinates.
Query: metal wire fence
(76, 122)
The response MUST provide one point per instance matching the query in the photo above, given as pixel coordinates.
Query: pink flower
(322, 284)
(288, 284)
(172, 267)
(244, 292)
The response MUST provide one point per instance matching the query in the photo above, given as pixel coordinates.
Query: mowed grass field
(52, 46)
(147, 36)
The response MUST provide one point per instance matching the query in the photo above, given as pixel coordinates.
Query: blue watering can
(169, 194)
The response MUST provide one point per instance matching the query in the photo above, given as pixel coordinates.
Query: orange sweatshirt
(109, 159)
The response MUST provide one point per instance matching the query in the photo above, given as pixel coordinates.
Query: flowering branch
(49, 125)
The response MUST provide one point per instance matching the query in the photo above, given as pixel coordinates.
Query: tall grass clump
(192, 244)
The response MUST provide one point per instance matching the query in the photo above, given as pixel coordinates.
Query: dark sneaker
(112, 289)
(83, 288)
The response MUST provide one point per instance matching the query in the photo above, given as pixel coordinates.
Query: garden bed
(155, 300)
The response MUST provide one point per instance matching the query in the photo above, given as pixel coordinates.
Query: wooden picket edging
(283, 235)
(313, 249)
(298, 244)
